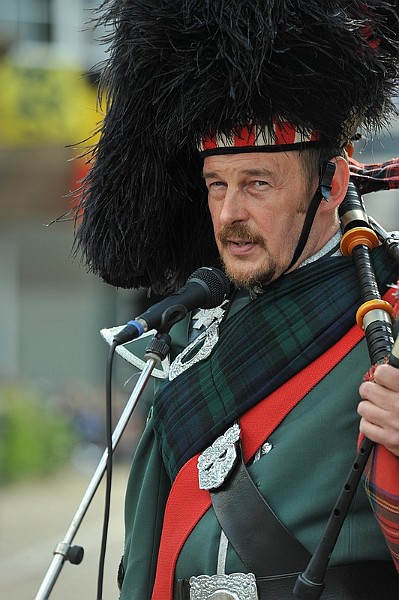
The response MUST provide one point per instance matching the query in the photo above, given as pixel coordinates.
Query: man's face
(257, 203)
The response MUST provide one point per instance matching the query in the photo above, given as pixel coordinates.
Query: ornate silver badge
(205, 316)
(217, 461)
(205, 342)
(236, 586)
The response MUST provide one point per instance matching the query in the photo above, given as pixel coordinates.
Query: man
(255, 199)
(259, 101)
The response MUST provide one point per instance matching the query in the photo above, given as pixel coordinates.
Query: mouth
(238, 241)
(239, 247)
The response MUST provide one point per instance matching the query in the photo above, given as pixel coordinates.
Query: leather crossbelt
(270, 551)
(261, 541)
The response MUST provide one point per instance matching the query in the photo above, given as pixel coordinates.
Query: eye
(216, 189)
(215, 185)
(257, 187)
(260, 184)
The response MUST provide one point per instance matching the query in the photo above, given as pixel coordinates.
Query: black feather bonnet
(182, 69)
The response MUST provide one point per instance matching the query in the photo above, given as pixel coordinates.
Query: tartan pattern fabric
(375, 177)
(296, 319)
(382, 486)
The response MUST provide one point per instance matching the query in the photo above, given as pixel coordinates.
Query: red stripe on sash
(187, 503)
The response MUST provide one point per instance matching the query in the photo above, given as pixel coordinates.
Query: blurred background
(52, 357)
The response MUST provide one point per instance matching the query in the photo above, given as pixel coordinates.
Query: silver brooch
(206, 341)
(205, 316)
(216, 462)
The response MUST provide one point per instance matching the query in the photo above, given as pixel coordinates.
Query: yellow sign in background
(45, 106)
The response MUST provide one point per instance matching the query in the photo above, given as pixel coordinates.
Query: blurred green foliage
(35, 438)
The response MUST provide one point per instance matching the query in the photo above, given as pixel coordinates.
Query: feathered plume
(179, 69)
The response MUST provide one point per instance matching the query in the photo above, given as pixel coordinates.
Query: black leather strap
(262, 542)
(327, 171)
(374, 580)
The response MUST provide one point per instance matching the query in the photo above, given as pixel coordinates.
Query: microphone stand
(157, 351)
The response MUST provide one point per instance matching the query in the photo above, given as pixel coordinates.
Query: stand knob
(72, 553)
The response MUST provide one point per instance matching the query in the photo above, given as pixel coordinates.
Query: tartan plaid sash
(296, 319)
(187, 503)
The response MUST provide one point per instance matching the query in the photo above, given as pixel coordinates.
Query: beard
(245, 279)
(245, 276)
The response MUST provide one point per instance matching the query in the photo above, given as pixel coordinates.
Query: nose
(233, 208)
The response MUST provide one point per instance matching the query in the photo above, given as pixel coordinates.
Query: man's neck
(330, 248)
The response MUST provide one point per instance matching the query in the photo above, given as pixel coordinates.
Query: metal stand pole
(63, 550)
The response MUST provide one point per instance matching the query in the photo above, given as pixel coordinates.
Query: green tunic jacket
(301, 477)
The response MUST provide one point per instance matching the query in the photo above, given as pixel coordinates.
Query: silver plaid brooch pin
(204, 343)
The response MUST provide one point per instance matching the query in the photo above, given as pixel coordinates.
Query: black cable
(108, 434)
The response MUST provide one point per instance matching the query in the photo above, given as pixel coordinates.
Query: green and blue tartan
(263, 345)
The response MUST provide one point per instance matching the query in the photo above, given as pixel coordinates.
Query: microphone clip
(136, 327)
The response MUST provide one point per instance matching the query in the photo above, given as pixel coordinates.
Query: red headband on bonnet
(258, 139)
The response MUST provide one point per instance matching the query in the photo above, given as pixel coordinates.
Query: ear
(339, 184)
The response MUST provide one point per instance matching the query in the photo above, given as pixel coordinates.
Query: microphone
(207, 287)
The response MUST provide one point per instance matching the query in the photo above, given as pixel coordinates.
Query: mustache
(242, 232)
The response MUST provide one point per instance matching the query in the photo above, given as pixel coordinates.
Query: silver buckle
(236, 586)
(217, 461)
